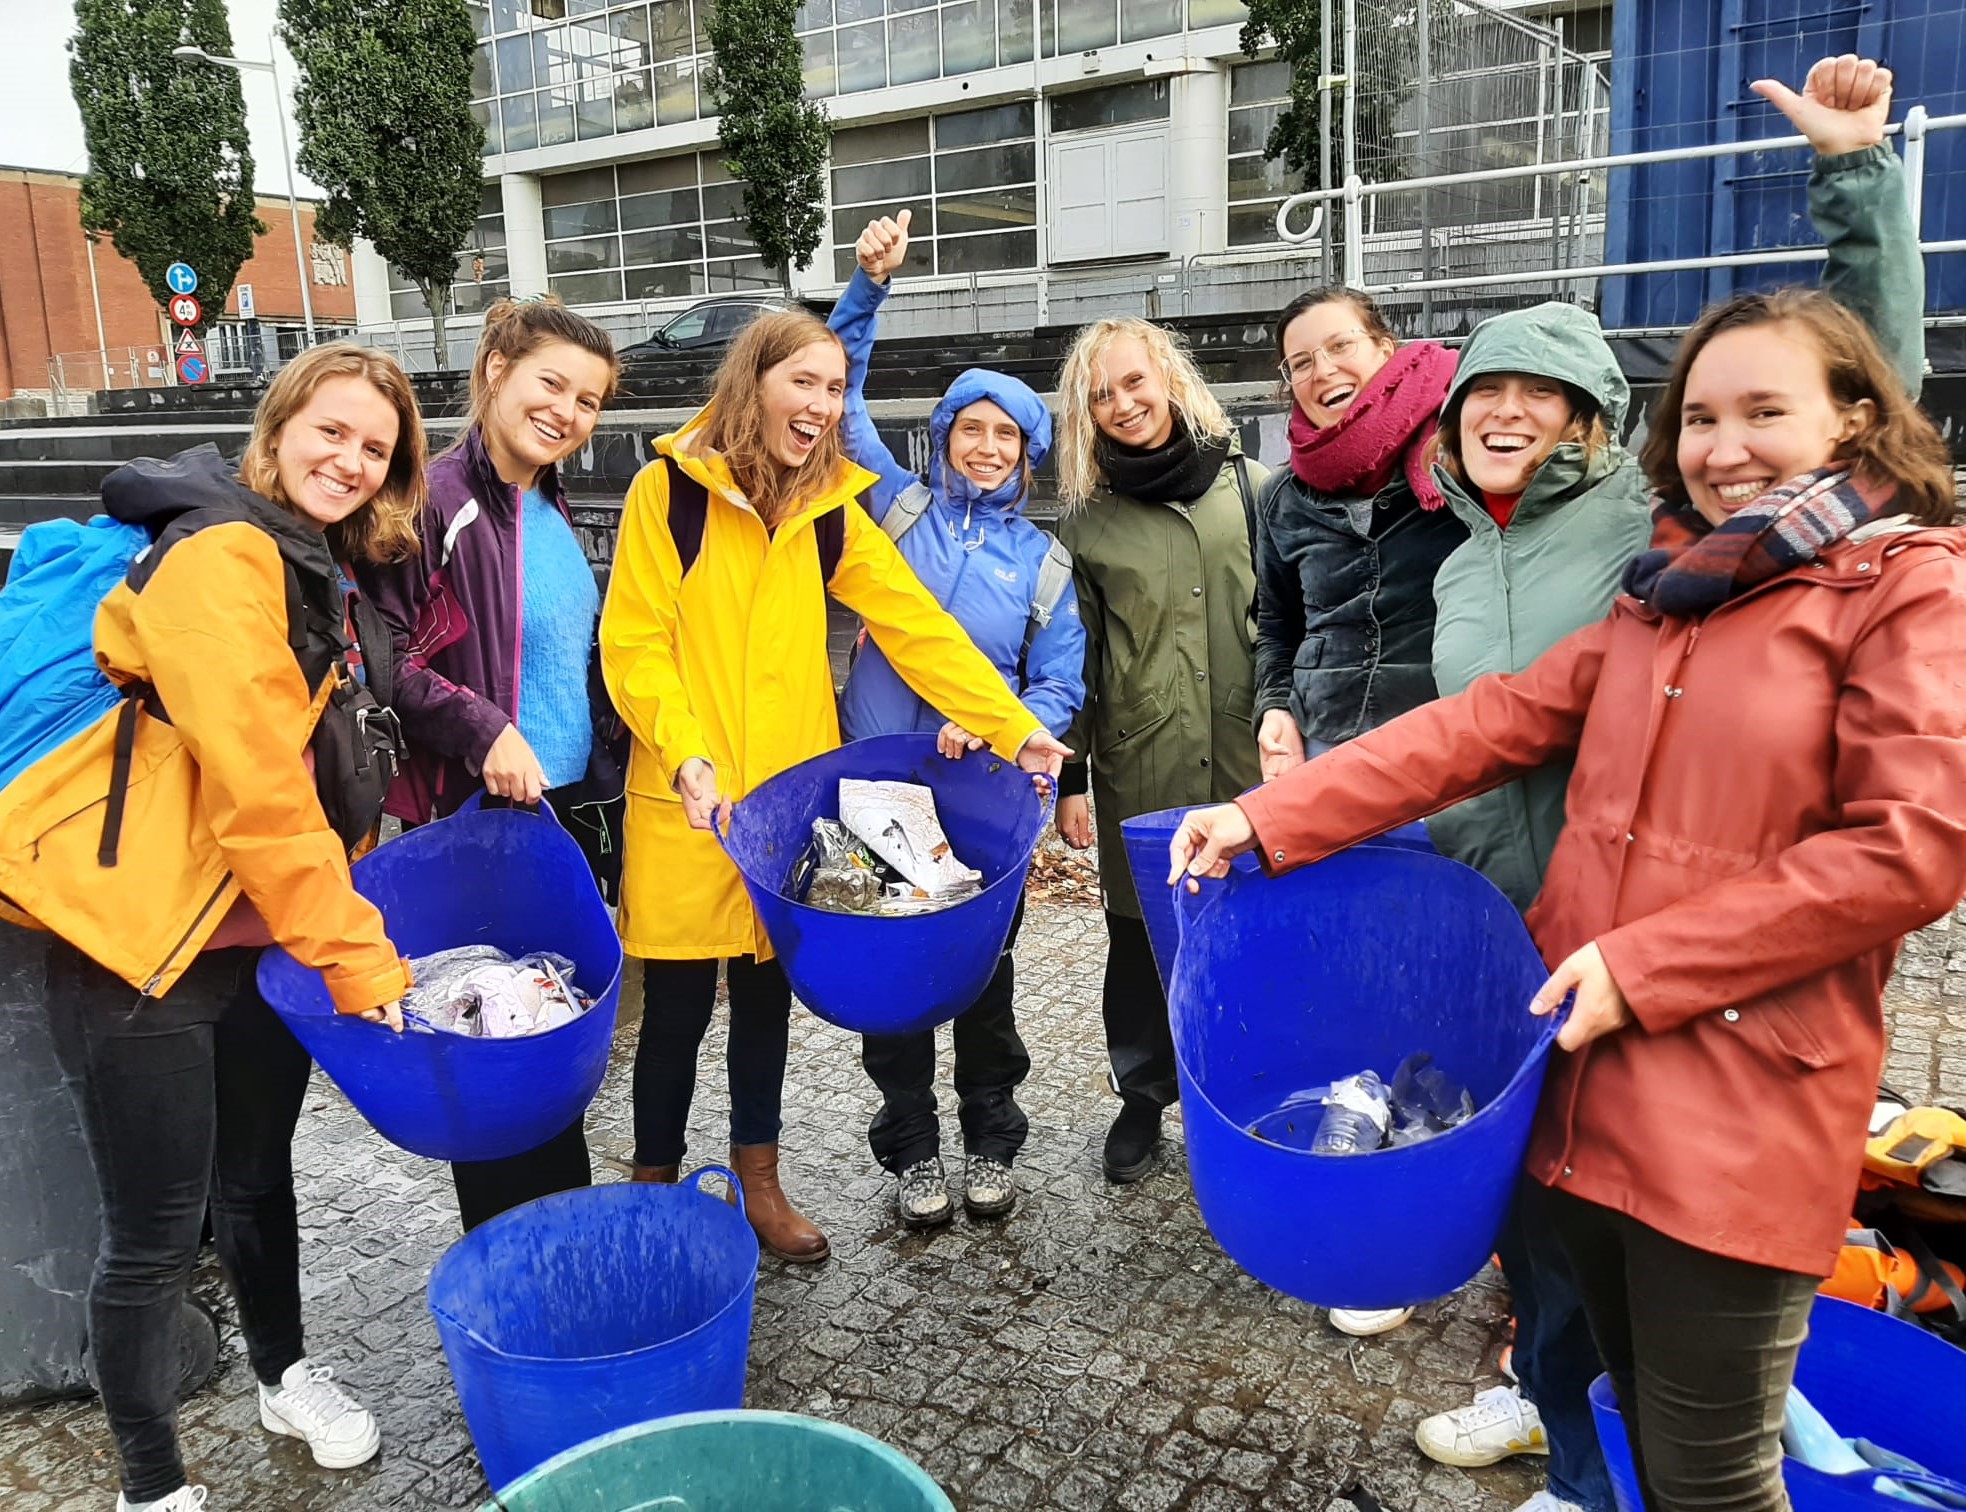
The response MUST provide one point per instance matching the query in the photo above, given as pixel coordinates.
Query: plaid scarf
(1692, 567)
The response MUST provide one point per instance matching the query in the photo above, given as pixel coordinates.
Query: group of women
(1749, 831)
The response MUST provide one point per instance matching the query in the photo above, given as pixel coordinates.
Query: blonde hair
(516, 328)
(736, 426)
(385, 528)
(1083, 376)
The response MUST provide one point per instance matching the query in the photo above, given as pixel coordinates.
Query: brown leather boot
(659, 1175)
(781, 1228)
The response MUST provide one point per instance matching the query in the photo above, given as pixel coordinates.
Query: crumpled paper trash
(898, 822)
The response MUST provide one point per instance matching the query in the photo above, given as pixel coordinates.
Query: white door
(1109, 193)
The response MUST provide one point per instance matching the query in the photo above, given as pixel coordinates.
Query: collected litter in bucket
(1357, 1114)
(1808, 1436)
(886, 854)
(480, 991)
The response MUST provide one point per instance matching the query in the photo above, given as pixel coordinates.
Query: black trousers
(1139, 1039)
(991, 1062)
(1701, 1349)
(677, 1000)
(182, 1099)
(486, 1188)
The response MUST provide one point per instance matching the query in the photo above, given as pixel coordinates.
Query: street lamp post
(249, 65)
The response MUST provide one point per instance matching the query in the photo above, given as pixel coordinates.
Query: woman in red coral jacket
(1770, 791)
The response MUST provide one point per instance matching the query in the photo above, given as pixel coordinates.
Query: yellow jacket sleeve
(933, 653)
(212, 624)
(640, 661)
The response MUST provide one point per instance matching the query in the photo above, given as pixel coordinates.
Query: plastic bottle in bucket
(594, 1310)
(512, 878)
(728, 1462)
(1358, 961)
(877, 975)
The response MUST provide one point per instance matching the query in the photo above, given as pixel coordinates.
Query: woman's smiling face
(803, 398)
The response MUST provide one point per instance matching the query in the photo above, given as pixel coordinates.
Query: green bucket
(727, 1462)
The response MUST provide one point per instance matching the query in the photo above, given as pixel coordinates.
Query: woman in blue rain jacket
(962, 529)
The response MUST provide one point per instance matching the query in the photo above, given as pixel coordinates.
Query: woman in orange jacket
(234, 632)
(1769, 793)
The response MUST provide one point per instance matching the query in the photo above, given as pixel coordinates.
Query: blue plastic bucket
(594, 1310)
(1871, 1376)
(1147, 837)
(505, 877)
(1350, 964)
(879, 975)
(727, 1462)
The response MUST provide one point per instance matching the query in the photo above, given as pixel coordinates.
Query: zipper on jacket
(519, 598)
(150, 987)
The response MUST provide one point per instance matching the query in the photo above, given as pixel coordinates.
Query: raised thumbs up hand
(883, 246)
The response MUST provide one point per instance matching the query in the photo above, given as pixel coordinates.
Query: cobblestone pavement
(1094, 1351)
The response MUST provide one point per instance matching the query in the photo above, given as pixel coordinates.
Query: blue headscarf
(1017, 400)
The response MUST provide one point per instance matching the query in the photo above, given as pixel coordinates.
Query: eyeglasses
(1336, 350)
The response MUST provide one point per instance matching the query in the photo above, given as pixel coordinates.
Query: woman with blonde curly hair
(239, 652)
(713, 642)
(1158, 506)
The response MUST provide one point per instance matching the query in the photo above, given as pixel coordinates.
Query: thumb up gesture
(883, 246)
(1843, 105)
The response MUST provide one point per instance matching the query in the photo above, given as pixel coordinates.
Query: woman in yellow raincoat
(713, 643)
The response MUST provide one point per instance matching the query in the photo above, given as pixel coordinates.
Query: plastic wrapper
(1426, 1101)
(480, 991)
(898, 822)
(1360, 1113)
(842, 873)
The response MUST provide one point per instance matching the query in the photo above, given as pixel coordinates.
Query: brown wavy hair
(516, 328)
(736, 424)
(1900, 448)
(385, 528)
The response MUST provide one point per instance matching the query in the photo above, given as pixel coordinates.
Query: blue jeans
(1555, 1357)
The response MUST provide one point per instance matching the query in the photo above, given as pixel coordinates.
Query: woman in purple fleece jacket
(495, 631)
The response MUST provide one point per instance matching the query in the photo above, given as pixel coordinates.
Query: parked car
(711, 323)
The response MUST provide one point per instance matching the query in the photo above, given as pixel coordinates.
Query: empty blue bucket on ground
(1352, 964)
(891, 975)
(1872, 1377)
(594, 1310)
(728, 1462)
(511, 878)
(1147, 837)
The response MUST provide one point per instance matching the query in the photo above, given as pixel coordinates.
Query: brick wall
(45, 303)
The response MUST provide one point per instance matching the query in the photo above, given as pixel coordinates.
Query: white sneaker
(1500, 1422)
(1548, 1501)
(1362, 1324)
(184, 1499)
(310, 1405)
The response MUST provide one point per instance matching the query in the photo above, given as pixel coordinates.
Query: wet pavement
(1093, 1351)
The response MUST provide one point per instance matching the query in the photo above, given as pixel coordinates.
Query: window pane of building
(1250, 126)
(723, 201)
(983, 167)
(588, 288)
(675, 207)
(675, 93)
(632, 45)
(1001, 210)
(670, 30)
(748, 273)
(858, 10)
(581, 256)
(475, 298)
(1250, 177)
(1084, 24)
(484, 112)
(634, 101)
(594, 110)
(1119, 105)
(969, 36)
(671, 244)
(1258, 95)
(870, 144)
(895, 184)
(813, 14)
(521, 123)
(514, 64)
(484, 82)
(863, 57)
(481, 19)
(664, 283)
(987, 254)
(849, 223)
(552, 60)
(1149, 18)
(651, 175)
(1256, 82)
(820, 71)
(1216, 12)
(563, 221)
(914, 47)
(1014, 34)
(976, 128)
(555, 117)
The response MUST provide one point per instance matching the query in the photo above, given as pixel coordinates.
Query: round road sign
(191, 368)
(181, 279)
(186, 310)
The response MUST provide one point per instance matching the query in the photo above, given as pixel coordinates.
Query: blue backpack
(50, 686)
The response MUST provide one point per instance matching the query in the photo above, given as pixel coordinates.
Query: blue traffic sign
(191, 368)
(182, 278)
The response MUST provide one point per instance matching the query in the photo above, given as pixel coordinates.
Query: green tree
(170, 168)
(384, 107)
(775, 140)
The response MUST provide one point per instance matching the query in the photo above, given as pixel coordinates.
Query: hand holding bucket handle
(705, 804)
(1597, 1003)
(730, 1179)
(481, 800)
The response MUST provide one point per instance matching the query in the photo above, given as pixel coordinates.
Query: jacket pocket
(1310, 654)
(1128, 722)
(1791, 1033)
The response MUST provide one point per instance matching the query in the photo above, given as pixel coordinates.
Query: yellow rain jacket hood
(730, 664)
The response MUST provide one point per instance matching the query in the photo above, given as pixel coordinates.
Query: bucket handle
(730, 1176)
(483, 800)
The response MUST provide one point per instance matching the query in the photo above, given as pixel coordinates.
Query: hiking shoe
(309, 1404)
(1548, 1501)
(1363, 1323)
(1130, 1143)
(1499, 1423)
(184, 1499)
(989, 1190)
(924, 1195)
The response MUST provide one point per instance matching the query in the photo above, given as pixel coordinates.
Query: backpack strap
(1249, 524)
(1054, 576)
(829, 530)
(906, 511)
(689, 509)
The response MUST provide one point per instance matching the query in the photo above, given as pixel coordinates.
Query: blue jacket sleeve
(1054, 676)
(853, 321)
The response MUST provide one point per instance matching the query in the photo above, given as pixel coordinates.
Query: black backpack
(689, 508)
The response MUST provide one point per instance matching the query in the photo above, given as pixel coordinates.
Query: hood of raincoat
(1549, 340)
(1017, 400)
